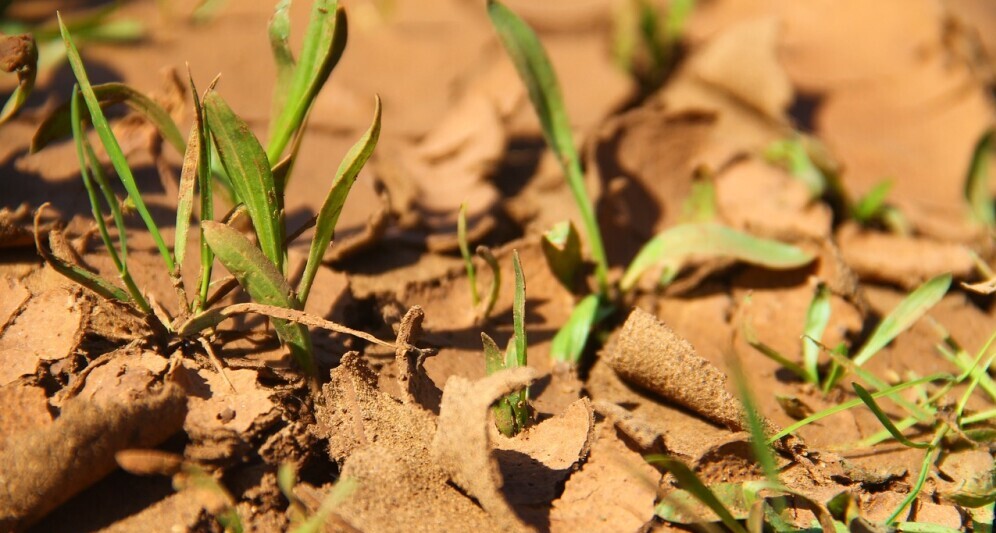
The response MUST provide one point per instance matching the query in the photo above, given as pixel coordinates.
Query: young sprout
(23, 62)
(977, 183)
(468, 260)
(512, 411)
(531, 61)
(562, 249)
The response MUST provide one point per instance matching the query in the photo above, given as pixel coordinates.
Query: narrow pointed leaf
(570, 340)
(530, 60)
(871, 205)
(682, 242)
(188, 179)
(883, 418)
(247, 167)
(691, 483)
(324, 42)
(489, 259)
(112, 147)
(519, 311)
(904, 315)
(279, 31)
(264, 283)
(468, 261)
(328, 216)
(57, 125)
(817, 318)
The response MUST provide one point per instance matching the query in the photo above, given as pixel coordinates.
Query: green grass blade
(747, 328)
(755, 424)
(519, 311)
(26, 68)
(343, 488)
(569, 342)
(977, 183)
(976, 376)
(489, 258)
(870, 206)
(57, 125)
(691, 483)
(120, 261)
(205, 185)
(817, 318)
(328, 216)
(494, 360)
(83, 277)
(264, 283)
(792, 154)
(884, 419)
(112, 147)
(533, 65)
(850, 404)
(324, 42)
(903, 316)
(700, 204)
(562, 250)
(468, 261)
(279, 30)
(712, 240)
(247, 167)
(188, 179)
(917, 487)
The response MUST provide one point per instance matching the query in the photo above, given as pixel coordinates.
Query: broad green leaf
(883, 418)
(25, 65)
(279, 31)
(850, 404)
(903, 316)
(468, 261)
(533, 65)
(57, 124)
(328, 216)
(817, 318)
(112, 147)
(247, 167)
(324, 42)
(977, 183)
(264, 283)
(570, 340)
(562, 249)
(679, 243)
(871, 205)
(694, 486)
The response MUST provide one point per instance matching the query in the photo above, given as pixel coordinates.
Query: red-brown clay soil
(897, 89)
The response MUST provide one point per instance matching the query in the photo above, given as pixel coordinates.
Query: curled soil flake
(615, 490)
(44, 467)
(356, 415)
(49, 328)
(648, 354)
(462, 447)
(534, 463)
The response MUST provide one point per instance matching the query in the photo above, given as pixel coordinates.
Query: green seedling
(22, 61)
(562, 249)
(691, 483)
(481, 310)
(260, 270)
(977, 183)
(700, 205)
(675, 246)
(533, 65)
(794, 157)
(817, 317)
(299, 520)
(570, 340)
(512, 411)
(646, 39)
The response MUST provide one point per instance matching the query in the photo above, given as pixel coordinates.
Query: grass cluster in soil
(601, 265)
